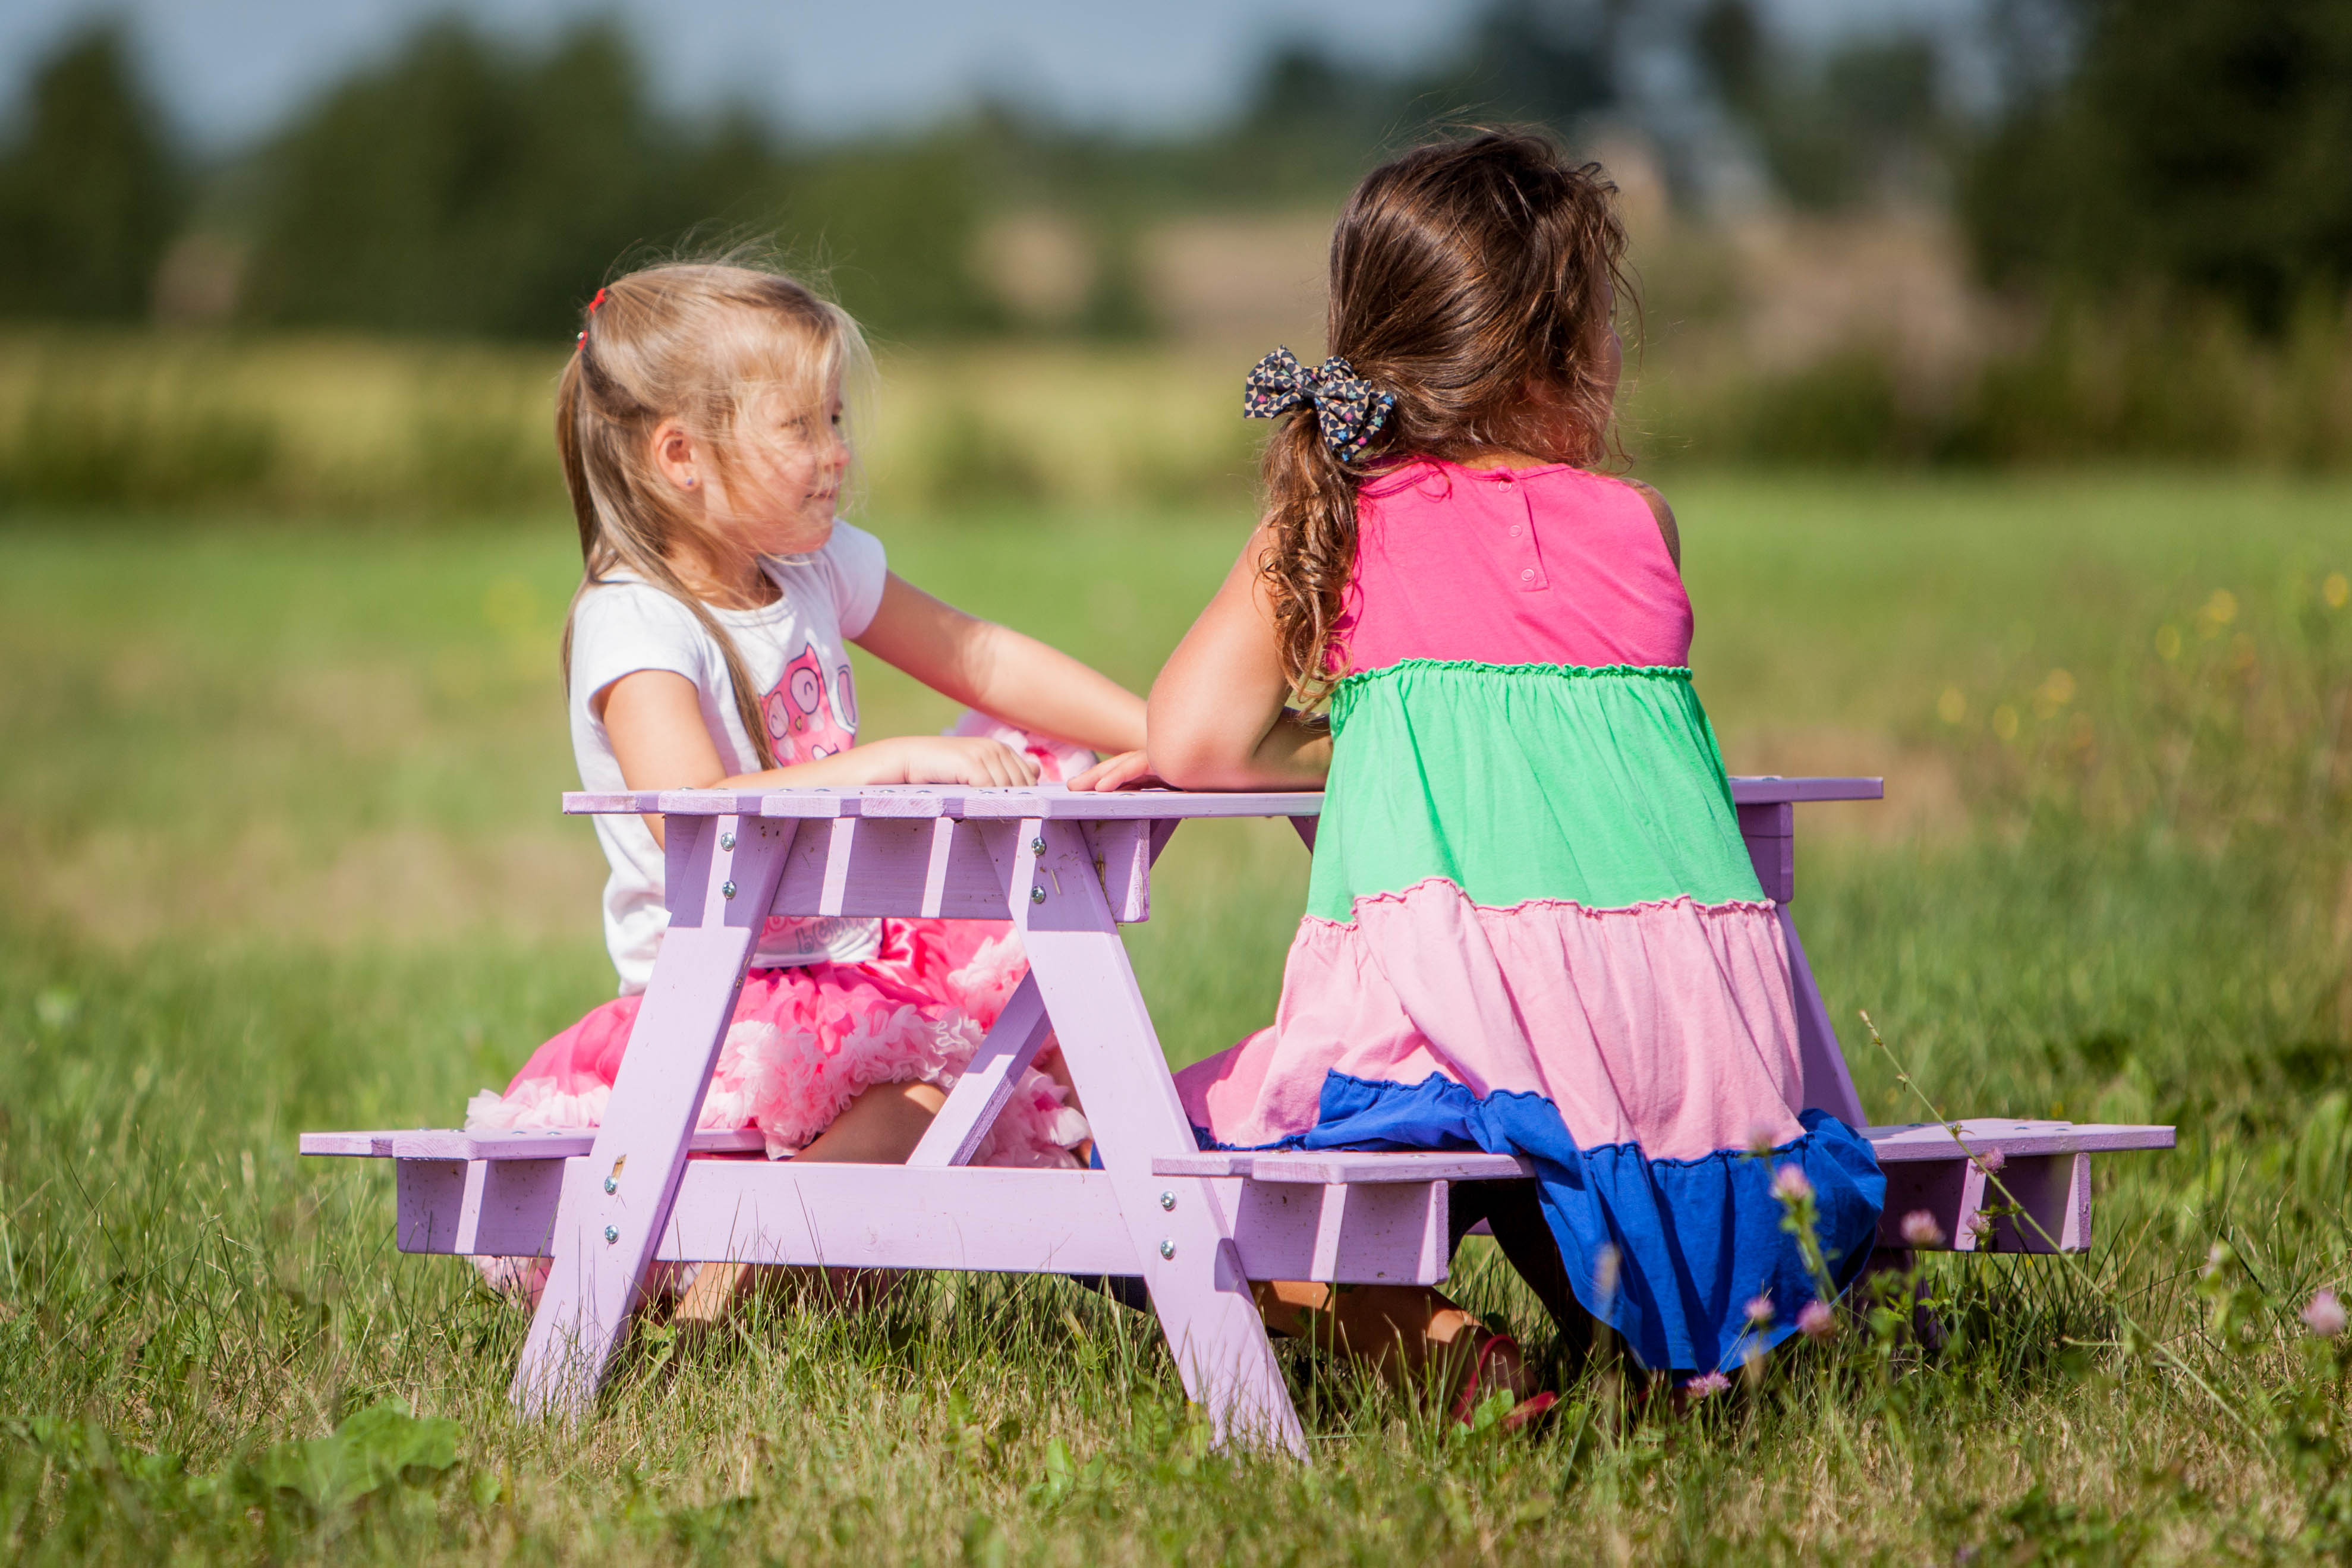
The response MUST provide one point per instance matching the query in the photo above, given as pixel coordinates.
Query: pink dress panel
(1668, 1025)
(1550, 565)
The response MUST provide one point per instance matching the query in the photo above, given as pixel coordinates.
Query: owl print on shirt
(808, 715)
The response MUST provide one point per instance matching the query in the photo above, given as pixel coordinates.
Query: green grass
(278, 850)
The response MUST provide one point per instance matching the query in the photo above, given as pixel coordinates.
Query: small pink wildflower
(2324, 1315)
(1789, 1184)
(1759, 1308)
(1761, 1137)
(1705, 1384)
(1991, 1161)
(1816, 1321)
(1981, 1224)
(1920, 1229)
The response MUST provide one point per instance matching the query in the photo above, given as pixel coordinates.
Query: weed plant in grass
(208, 1350)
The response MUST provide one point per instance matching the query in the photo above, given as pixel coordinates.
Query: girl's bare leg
(1398, 1330)
(880, 1127)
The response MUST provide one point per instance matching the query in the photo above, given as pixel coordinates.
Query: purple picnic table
(1197, 1227)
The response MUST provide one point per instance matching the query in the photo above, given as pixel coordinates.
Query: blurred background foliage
(2067, 230)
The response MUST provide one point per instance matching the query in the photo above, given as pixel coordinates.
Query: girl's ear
(676, 455)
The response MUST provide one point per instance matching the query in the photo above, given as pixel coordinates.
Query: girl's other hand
(948, 760)
(655, 720)
(1129, 770)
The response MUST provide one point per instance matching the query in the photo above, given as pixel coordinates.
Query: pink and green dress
(1532, 926)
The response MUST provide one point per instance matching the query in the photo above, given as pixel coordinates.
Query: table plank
(1929, 1141)
(1049, 802)
(1770, 789)
(456, 1143)
(1053, 802)
(1328, 1167)
(1914, 1142)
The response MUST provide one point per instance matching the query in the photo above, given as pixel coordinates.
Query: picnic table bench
(1069, 869)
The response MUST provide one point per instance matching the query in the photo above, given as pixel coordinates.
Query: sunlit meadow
(278, 850)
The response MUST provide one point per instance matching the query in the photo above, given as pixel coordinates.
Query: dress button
(1503, 478)
(1516, 531)
(1526, 573)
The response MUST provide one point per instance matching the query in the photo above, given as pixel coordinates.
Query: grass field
(278, 850)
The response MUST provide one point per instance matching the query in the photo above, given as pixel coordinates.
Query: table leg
(1828, 1084)
(722, 877)
(988, 1083)
(1179, 1228)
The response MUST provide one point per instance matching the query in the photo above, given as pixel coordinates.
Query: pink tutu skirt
(806, 1041)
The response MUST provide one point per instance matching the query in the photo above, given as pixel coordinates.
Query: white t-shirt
(796, 653)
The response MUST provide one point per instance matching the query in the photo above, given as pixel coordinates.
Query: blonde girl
(700, 426)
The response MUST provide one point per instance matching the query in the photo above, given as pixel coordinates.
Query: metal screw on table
(1167, 1249)
(727, 841)
(727, 890)
(611, 1185)
(1037, 847)
(1036, 895)
(612, 1234)
(1168, 1200)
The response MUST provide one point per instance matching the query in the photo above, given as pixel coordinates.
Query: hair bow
(1346, 407)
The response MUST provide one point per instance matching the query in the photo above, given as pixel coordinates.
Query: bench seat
(451, 1143)
(1069, 869)
(2045, 1165)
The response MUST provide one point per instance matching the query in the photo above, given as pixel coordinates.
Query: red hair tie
(582, 341)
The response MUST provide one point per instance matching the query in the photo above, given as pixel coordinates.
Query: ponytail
(1310, 519)
(1471, 286)
(622, 543)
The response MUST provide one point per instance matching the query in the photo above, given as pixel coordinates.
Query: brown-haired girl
(1532, 927)
(700, 426)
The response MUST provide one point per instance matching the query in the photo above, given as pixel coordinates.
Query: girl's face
(776, 493)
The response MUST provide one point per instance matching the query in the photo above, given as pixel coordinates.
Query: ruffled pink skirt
(806, 1041)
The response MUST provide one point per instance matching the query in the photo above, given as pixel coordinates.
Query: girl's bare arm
(1217, 718)
(1002, 672)
(654, 722)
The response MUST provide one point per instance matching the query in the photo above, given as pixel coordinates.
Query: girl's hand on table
(1127, 770)
(655, 720)
(946, 759)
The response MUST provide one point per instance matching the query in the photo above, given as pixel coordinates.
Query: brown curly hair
(1464, 275)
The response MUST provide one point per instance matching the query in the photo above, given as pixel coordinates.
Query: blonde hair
(692, 342)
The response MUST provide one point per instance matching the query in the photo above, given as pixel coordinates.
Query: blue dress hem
(1694, 1240)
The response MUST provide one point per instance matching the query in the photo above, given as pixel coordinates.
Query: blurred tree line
(468, 185)
(90, 191)
(2163, 187)
(2205, 145)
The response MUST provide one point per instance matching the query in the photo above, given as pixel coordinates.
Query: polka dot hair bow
(1347, 409)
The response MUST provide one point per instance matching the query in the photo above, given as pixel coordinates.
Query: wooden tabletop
(1055, 802)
